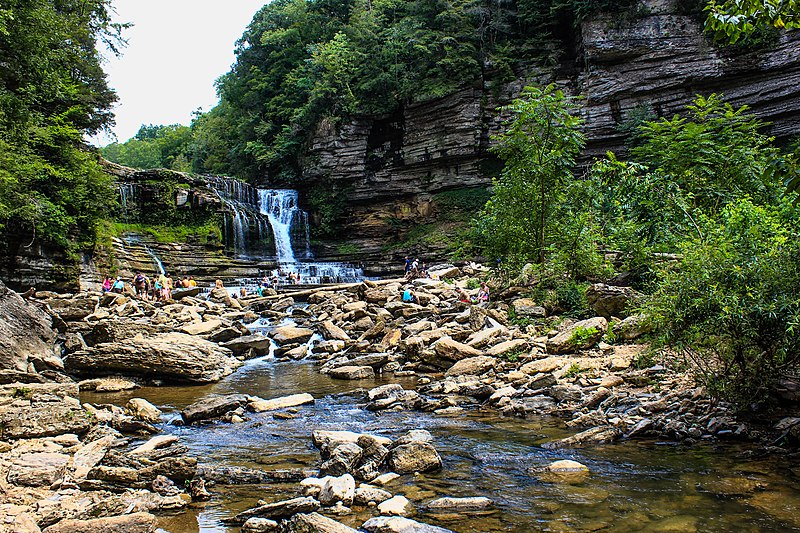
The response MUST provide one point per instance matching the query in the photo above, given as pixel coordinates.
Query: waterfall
(156, 260)
(290, 228)
(127, 199)
(244, 225)
(280, 207)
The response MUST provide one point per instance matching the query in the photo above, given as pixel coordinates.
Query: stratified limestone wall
(393, 164)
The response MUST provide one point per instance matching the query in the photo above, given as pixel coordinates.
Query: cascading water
(290, 228)
(245, 228)
(127, 199)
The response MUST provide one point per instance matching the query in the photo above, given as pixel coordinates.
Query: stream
(634, 486)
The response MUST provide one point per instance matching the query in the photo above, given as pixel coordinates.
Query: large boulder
(352, 372)
(41, 410)
(475, 366)
(277, 510)
(260, 405)
(38, 469)
(126, 523)
(452, 350)
(413, 452)
(610, 300)
(26, 334)
(170, 356)
(250, 345)
(579, 336)
(72, 309)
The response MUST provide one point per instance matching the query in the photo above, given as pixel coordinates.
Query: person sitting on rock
(242, 292)
(483, 293)
(218, 284)
(409, 296)
(107, 284)
(463, 297)
(192, 282)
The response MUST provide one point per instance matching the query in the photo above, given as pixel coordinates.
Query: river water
(634, 486)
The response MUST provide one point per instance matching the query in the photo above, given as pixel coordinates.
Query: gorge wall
(391, 167)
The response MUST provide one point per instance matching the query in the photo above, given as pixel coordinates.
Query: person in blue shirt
(409, 296)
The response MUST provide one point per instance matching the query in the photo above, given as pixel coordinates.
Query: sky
(176, 49)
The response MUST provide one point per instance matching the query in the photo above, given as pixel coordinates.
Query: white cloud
(176, 49)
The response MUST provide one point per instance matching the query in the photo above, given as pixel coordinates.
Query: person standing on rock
(140, 285)
(407, 266)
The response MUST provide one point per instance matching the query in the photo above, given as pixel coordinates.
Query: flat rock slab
(291, 335)
(38, 469)
(257, 345)
(259, 406)
(128, 523)
(172, 356)
(202, 328)
(397, 524)
(353, 372)
(212, 407)
(277, 510)
(478, 503)
(315, 523)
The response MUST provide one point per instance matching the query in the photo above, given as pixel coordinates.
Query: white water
(280, 207)
(156, 260)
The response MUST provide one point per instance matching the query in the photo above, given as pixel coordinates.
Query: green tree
(52, 92)
(732, 20)
(539, 145)
(715, 153)
(732, 306)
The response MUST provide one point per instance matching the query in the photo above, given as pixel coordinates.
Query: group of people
(158, 289)
(481, 297)
(414, 269)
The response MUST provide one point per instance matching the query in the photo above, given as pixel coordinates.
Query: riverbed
(634, 486)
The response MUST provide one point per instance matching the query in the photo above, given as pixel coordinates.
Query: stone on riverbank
(34, 410)
(352, 372)
(397, 524)
(26, 336)
(414, 453)
(212, 407)
(314, 523)
(579, 336)
(141, 409)
(259, 525)
(172, 356)
(337, 489)
(396, 506)
(126, 523)
(259, 405)
(475, 366)
(276, 510)
(291, 335)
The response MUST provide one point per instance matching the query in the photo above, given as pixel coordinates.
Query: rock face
(26, 335)
(659, 57)
(172, 356)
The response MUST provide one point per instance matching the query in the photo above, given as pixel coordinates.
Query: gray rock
(609, 300)
(460, 505)
(250, 345)
(26, 333)
(353, 372)
(342, 459)
(314, 523)
(476, 366)
(276, 510)
(38, 469)
(414, 457)
(291, 335)
(397, 524)
(126, 523)
(212, 407)
(579, 336)
(259, 525)
(171, 356)
(337, 489)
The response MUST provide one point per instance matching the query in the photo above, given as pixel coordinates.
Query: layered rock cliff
(391, 167)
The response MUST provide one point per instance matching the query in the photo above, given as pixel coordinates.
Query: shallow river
(634, 486)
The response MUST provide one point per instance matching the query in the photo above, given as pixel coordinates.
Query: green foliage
(581, 335)
(571, 298)
(154, 147)
(539, 145)
(327, 206)
(206, 233)
(573, 371)
(473, 283)
(52, 92)
(731, 20)
(715, 154)
(733, 307)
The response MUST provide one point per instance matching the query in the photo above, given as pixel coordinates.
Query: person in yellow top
(162, 284)
(192, 282)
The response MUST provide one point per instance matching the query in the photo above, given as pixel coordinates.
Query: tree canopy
(52, 92)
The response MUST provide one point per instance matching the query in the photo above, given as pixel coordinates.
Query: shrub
(733, 307)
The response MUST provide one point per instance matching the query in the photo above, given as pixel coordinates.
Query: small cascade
(245, 227)
(127, 199)
(156, 260)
